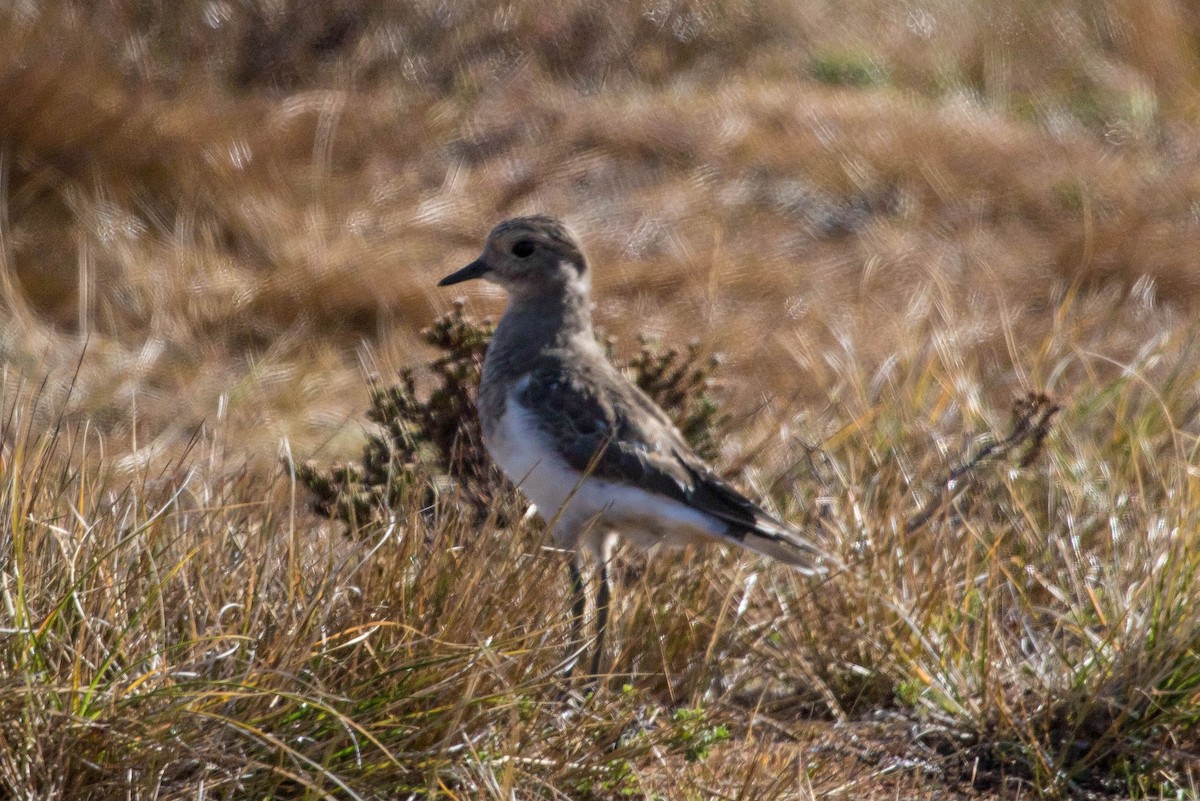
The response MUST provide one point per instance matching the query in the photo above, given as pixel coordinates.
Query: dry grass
(891, 218)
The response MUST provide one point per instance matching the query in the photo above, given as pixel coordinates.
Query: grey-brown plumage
(595, 455)
(606, 427)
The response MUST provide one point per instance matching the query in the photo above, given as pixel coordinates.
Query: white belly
(581, 510)
(523, 454)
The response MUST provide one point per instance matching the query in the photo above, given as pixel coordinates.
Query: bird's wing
(605, 426)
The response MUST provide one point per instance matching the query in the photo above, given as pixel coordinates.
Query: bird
(598, 459)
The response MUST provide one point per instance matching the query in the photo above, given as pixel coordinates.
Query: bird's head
(529, 256)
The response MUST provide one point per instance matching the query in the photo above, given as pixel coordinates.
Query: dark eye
(522, 248)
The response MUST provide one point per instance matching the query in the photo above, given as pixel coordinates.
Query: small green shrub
(848, 68)
(694, 734)
(419, 441)
(434, 445)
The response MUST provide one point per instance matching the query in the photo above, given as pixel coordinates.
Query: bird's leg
(602, 599)
(578, 612)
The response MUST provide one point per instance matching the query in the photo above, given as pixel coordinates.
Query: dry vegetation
(891, 217)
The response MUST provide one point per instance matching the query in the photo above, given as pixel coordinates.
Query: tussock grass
(169, 632)
(215, 218)
(172, 638)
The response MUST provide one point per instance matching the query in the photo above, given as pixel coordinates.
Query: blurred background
(232, 210)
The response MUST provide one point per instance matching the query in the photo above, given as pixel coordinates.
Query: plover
(594, 454)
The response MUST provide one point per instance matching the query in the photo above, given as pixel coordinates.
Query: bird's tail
(788, 546)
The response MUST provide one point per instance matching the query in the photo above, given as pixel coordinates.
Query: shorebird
(594, 454)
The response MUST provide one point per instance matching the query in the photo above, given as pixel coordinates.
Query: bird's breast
(527, 457)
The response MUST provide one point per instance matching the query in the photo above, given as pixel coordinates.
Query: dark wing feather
(578, 404)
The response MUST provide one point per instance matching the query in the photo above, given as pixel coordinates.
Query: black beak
(475, 269)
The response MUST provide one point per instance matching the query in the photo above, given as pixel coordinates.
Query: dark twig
(1032, 415)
